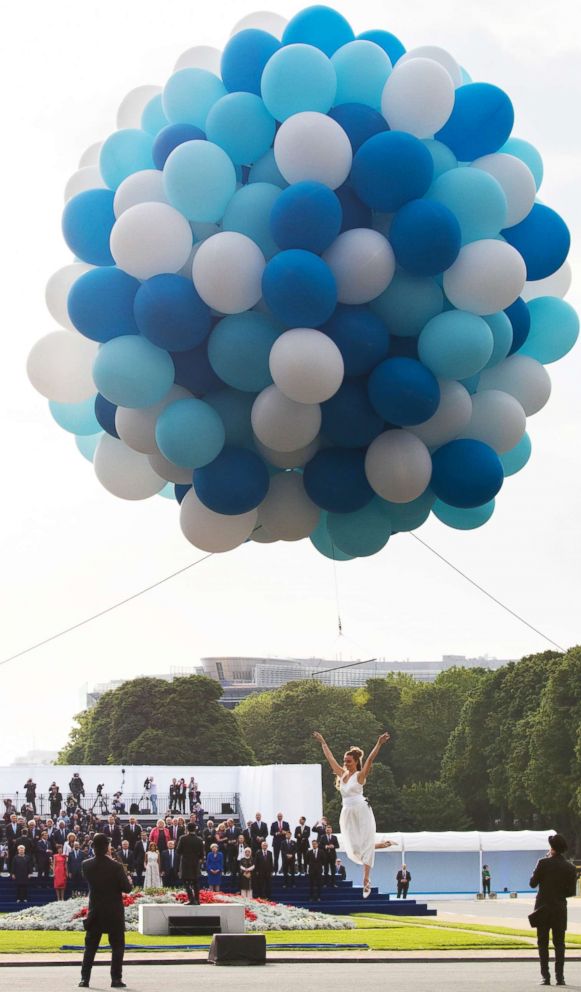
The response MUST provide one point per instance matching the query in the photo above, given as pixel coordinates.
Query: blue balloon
(235, 482)
(194, 372)
(180, 491)
(335, 480)
(463, 518)
(501, 328)
(475, 198)
(267, 171)
(100, 303)
(130, 371)
(235, 408)
(171, 314)
(88, 445)
(542, 239)
(348, 419)
(480, 122)
(299, 288)
(170, 137)
(425, 237)
(527, 154)
(515, 459)
(391, 45)
(408, 303)
(466, 473)
(403, 347)
(189, 433)
(189, 95)
(123, 153)
(319, 26)
(199, 179)
(362, 533)
(241, 125)
(361, 337)
(105, 414)
(88, 220)
(306, 215)
(391, 168)
(362, 69)
(249, 213)
(471, 383)
(554, 329)
(239, 350)
(442, 157)
(403, 391)
(296, 79)
(409, 516)
(153, 118)
(76, 418)
(244, 59)
(456, 344)
(355, 212)
(359, 122)
(520, 319)
(321, 540)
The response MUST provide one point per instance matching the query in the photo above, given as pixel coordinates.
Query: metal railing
(215, 804)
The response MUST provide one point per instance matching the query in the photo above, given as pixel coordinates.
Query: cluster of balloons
(314, 292)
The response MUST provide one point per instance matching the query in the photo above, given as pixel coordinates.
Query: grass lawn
(368, 919)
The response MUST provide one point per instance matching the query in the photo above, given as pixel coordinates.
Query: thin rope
(339, 622)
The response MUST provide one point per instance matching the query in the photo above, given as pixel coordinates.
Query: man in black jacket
(302, 834)
(278, 831)
(262, 874)
(258, 833)
(330, 844)
(403, 879)
(169, 866)
(107, 882)
(315, 859)
(190, 852)
(556, 878)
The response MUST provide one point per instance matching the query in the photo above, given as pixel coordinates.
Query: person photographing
(557, 879)
(107, 881)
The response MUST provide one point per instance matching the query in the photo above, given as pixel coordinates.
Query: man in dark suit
(169, 866)
(112, 830)
(288, 853)
(262, 874)
(278, 831)
(132, 832)
(190, 851)
(403, 879)
(330, 844)
(557, 879)
(139, 861)
(315, 860)
(258, 833)
(107, 882)
(302, 834)
(43, 859)
(125, 857)
(13, 831)
(209, 835)
(75, 868)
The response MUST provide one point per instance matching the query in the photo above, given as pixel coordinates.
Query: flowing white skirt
(357, 825)
(152, 877)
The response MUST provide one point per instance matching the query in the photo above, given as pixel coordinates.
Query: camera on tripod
(100, 788)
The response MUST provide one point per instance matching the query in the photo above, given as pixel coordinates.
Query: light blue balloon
(190, 433)
(87, 444)
(298, 78)
(501, 328)
(528, 154)
(477, 200)
(408, 303)
(409, 516)
(199, 180)
(123, 153)
(130, 371)
(362, 69)
(362, 533)
(153, 119)
(466, 77)
(241, 125)
(234, 408)
(461, 518)
(76, 418)
(554, 329)
(249, 213)
(267, 171)
(442, 156)
(239, 349)
(515, 459)
(322, 541)
(189, 95)
(455, 344)
(168, 491)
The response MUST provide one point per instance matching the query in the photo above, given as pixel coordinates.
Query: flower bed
(260, 914)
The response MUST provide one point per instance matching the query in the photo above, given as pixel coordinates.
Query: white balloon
(418, 97)
(89, 177)
(398, 466)
(91, 155)
(227, 272)
(140, 187)
(200, 57)
(151, 238)
(486, 277)
(313, 146)
(363, 264)
(497, 418)
(137, 426)
(210, 531)
(517, 181)
(557, 284)
(169, 471)
(451, 417)
(436, 54)
(57, 291)
(60, 366)
(125, 472)
(523, 377)
(288, 459)
(262, 20)
(287, 512)
(282, 424)
(306, 365)
(132, 106)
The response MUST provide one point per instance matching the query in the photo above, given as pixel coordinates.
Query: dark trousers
(43, 876)
(558, 944)
(302, 851)
(402, 889)
(22, 892)
(330, 869)
(486, 886)
(288, 871)
(315, 880)
(262, 886)
(92, 941)
(192, 887)
(276, 845)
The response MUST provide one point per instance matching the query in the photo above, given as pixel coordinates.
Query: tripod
(101, 804)
(144, 799)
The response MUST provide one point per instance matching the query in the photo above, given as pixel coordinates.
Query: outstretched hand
(384, 738)
(318, 737)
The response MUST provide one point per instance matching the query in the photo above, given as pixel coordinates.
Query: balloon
(58, 288)
(312, 146)
(249, 212)
(435, 54)
(362, 69)
(517, 457)
(282, 424)
(88, 221)
(240, 124)
(235, 482)
(528, 154)
(190, 433)
(497, 419)
(455, 344)
(487, 276)
(542, 239)
(123, 153)
(362, 533)
(306, 365)
(355, 212)
(88, 445)
(298, 78)
(169, 470)
(199, 180)
(418, 97)
(76, 418)
(391, 45)
(403, 391)
(306, 215)
(189, 95)
(425, 237)
(123, 472)
(244, 59)
(348, 419)
(362, 263)
(466, 473)
(261, 20)
(321, 540)
(132, 106)
(554, 329)
(391, 168)
(170, 313)
(398, 466)
(480, 122)
(521, 376)
(361, 337)
(359, 122)
(194, 372)
(91, 155)
(105, 413)
(141, 187)
(171, 137)
(100, 303)
(60, 365)
(451, 417)
(239, 349)
(287, 513)
(227, 272)
(287, 459)
(87, 178)
(443, 159)
(557, 284)
(213, 532)
(130, 371)
(149, 239)
(319, 26)
(409, 516)
(408, 303)
(502, 334)
(520, 319)
(180, 491)
(153, 118)
(463, 518)
(200, 57)
(475, 198)
(299, 288)
(516, 180)
(137, 426)
(335, 480)
(235, 409)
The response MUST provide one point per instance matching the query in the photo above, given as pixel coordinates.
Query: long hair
(357, 755)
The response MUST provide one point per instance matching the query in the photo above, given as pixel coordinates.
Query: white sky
(69, 549)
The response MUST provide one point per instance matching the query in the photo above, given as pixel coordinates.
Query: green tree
(434, 806)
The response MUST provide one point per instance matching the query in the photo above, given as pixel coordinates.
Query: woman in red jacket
(160, 836)
(59, 864)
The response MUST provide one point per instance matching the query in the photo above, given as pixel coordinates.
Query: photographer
(30, 791)
(77, 787)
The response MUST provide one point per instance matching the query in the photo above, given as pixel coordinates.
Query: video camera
(100, 788)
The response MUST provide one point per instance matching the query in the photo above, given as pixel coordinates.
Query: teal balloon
(517, 457)
(87, 444)
(298, 78)
(461, 518)
(527, 154)
(455, 344)
(554, 329)
(442, 156)
(76, 418)
(239, 350)
(476, 199)
(234, 408)
(409, 516)
(153, 119)
(241, 125)
(189, 95)
(267, 171)
(168, 491)
(501, 328)
(322, 541)
(248, 212)
(199, 180)
(362, 533)
(123, 153)
(190, 433)
(408, 303)
(130, 371)
(362, 69)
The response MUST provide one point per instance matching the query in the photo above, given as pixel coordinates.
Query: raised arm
(368, 764)
(335, 766)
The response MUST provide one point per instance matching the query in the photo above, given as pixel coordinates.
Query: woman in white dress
(357, 822)
(152, 876)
